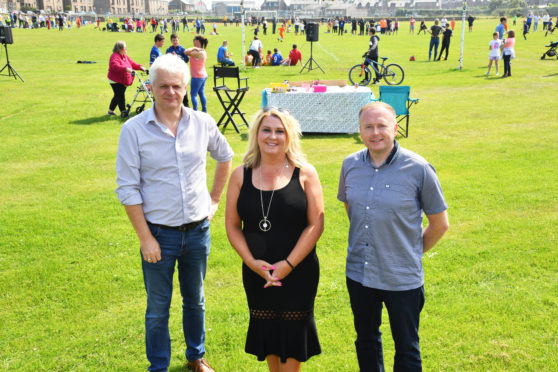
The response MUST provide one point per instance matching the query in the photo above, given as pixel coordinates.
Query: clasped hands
(272, 273)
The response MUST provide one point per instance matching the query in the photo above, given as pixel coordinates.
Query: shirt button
(375, 170)
(372, 188)
(367, 207)
(366, 263)
(365, 226)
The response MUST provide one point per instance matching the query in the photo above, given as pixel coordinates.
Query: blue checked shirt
(386, 206)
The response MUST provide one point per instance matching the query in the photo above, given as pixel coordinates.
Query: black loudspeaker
(6, 35)
(312, 32)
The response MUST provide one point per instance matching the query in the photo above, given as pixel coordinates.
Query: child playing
(509, 53)
(281, 33)
(494, 55)
(525, 29)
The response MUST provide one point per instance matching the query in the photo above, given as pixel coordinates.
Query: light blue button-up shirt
(386, 206)
(167, 174)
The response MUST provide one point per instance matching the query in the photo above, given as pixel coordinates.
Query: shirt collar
(394, 154)
(152, 118)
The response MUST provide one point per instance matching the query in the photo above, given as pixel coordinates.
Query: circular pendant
(265, 225)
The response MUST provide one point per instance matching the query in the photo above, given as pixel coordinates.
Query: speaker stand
(308, 64)
(11, 71)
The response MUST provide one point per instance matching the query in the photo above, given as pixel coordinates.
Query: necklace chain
(265, 224)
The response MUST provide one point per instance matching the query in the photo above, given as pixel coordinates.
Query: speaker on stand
(6, 38)
(312, 35)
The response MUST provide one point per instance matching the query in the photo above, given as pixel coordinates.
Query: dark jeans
(367, 63)
(256, 58)
(434, 42)
(404, 309)
(445, 46)
(119, 97)
(507, 65)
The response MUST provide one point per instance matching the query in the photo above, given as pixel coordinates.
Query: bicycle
(392, 74)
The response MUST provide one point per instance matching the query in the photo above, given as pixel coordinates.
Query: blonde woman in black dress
(274, 217)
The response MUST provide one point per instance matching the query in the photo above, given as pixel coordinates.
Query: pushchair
(113, 27)
(143, 93)
(551, 52)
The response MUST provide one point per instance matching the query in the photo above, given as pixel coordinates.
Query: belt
(184, 228)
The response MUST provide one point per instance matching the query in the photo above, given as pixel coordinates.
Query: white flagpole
(243, 34)
(462, 34)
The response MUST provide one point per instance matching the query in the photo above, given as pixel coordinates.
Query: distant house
(230, 7)
(180, 6)
(274, 5)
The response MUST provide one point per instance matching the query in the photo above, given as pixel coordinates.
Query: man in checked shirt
(386, 189)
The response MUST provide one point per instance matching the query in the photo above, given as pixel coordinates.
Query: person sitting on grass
(294, 57)
(223, 55)
(268, 60)
(277, 58)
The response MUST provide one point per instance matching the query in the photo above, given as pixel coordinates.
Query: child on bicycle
(372, 55)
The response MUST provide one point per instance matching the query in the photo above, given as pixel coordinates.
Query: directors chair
(230, 95)
(397, 96)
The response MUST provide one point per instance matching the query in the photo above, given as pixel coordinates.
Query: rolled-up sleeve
(128, 168)
(218, 147)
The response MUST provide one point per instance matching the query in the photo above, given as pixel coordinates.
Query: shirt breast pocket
(397, 197)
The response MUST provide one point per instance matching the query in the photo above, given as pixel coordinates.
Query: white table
(334, 111)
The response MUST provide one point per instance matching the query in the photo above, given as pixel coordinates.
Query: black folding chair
(230, 98)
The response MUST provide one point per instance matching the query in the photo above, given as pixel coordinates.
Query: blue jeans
(226, 62)
(197, 86)
(190, 249)
(404, 309)
(434, 42)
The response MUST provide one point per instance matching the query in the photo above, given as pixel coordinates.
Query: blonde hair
(253, 156)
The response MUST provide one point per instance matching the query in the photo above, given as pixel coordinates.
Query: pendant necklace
(265, 224)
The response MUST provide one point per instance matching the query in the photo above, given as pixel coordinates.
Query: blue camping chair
(398, 98)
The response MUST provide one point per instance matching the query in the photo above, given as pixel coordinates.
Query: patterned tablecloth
(335, 111)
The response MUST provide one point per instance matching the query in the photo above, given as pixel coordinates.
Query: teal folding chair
(397, 96)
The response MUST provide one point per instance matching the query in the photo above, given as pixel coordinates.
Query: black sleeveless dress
(281, 318)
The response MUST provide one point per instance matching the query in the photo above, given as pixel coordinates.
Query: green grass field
(71, 290)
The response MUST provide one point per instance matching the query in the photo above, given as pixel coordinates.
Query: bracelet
(290, 264)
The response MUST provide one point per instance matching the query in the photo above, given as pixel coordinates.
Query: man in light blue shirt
(501, 28)
(386, 189)
(162, 183)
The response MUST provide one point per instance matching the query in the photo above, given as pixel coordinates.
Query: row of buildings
(105, 7)
(327, 9)
(232, 8)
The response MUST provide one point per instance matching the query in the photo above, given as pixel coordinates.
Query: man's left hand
(213, 209)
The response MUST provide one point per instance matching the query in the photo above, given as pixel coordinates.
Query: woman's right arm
(194, 52)
(233, 225)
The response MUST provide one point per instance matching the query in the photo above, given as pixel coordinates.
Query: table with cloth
(334, 111)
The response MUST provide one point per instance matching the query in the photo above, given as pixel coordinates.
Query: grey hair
(170, 63)
(118, 46)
